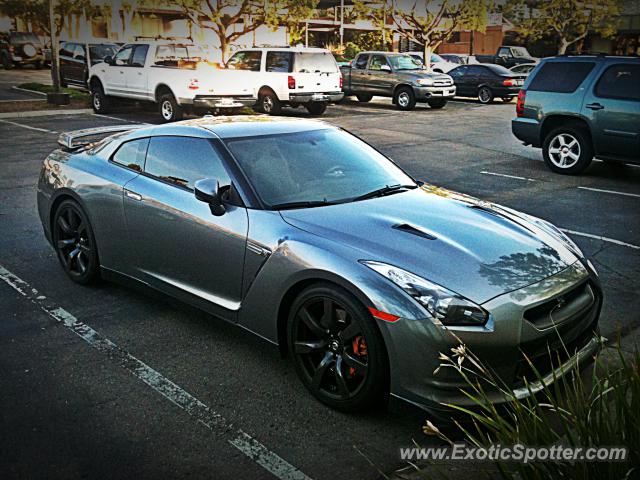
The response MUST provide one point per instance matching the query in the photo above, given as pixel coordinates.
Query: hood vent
(405, 227)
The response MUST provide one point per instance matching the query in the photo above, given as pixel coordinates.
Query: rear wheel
(99, 101)
(567, 150)
(437, 103)
(485, 95)
(337, 349)
(364, 97)
(316, 108)
(405, 99)
(170, 111)
(75, 243)
(269, 103)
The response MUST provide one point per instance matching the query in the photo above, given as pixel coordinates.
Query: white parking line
(119, 119)
(507, 176)
(248, 445)
(28, 126)
(610, 191)
(604, 239)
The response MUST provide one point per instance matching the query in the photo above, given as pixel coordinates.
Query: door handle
(133, 195)
(595, 106)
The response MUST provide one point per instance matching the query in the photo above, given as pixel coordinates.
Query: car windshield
(314, 167)
(404, 62)
(520, 52)
(316, 62)
(100, 51)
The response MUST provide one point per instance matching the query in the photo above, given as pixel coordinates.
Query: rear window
(321, 62)
(560, 77)
(178, 56)
(620, 81)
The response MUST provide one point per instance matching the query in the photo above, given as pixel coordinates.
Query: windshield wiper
(386, 190)
(304, 204)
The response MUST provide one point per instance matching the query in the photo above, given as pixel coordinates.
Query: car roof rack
(161, 37)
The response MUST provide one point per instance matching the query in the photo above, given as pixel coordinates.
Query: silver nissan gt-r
(310, 238)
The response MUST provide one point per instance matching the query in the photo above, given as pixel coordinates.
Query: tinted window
(246, 61)
(168, 160)
(377, 61)
(123, 55)
(620, 81)
(66, 49)
(321, 62)
(561, 77)
(139, 55)
(477, 70)
(99, 51)
(361, 62)
(458, 71)
(78, 53)
(278, 62)
(131, 154)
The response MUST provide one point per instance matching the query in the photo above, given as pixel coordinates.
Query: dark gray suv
(579, 107)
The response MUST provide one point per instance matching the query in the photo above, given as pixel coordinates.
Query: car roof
(592, 58)
(286, 49)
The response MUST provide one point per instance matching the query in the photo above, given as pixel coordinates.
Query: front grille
(442, 83)
(563, 308)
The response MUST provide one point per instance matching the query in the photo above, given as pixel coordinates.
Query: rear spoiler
(68, 139)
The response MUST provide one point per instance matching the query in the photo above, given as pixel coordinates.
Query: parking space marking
(604, 239)
(28, 126)
(602, 190)
(119, 119)
(507, 176)
(244, 442)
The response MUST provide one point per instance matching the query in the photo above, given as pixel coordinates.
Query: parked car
(170, 74)
(305, 235)
(487, 82)
(459, 58)
(290, 76)
(523, 68)
(437, 63)
(21, 48)
(396, 75)
(508, 57)
(76, 58)
(579, 107)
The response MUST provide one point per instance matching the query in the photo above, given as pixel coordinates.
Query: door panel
(115, 78)
(358, 74)
(136, 74)
(380, 81)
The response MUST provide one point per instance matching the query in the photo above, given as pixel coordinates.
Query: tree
(36, 12)
(569, 21)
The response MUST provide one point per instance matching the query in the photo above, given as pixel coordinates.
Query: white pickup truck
(172, 74)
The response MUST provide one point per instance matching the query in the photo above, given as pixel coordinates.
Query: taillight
(522, 95)
(291, 82)
(509, 82)
(340, 81)
(193, 84)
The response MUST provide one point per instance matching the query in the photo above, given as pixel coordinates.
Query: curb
(14, 87)
(45, 113)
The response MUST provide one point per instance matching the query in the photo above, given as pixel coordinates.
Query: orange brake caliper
(360, 349)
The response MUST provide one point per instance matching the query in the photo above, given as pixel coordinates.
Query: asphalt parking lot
(112, 382)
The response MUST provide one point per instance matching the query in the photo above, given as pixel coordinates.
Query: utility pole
(341, 23)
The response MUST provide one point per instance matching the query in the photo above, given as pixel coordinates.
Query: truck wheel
(316, 108)
(99, 101)
(170, 111)
(567, 150)
(485, 95)
(437, 103)
(269, 103)
(364, 97)
(405, 99)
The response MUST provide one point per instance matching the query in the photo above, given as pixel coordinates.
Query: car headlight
(443, 305)
(425, 82)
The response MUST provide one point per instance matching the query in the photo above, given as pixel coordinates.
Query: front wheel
(405, 99)
(337, 349)
(567, 150)
(316, 108)
(485, 95)
(170, 111)
(437, 103)
(99, 101)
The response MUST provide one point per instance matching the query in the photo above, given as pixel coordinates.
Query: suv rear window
(560, 77)
(322, 62)
(620, 81)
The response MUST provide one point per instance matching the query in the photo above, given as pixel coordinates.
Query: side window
(377, 61)
(79, 53)
(123, 55)
(66, 49)
(620, 81)
(361, 62)
(131, 154)
(278, 62)
(476, 70)
(458, 71)
(560, 77)
(139, 55)
(504, 52)
(167, 161)
(246, 61)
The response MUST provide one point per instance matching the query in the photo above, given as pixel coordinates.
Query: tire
(38, 65)
(405, 99)
(316, 108)
(567, 150)
(269, 103)
(340, 357)
(75, 244)
(169, 109)
(99, 101)
(364, 97)
(437, 103)
(507, 99)
(485, 95)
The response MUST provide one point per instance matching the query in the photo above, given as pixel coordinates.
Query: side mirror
(108, 60)
(385, 68)
(208, 190)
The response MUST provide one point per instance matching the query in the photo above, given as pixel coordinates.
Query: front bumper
(329, 97)
(219, 101)
(425, 93)
(414, 345)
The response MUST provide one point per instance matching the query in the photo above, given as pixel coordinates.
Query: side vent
(405, 227)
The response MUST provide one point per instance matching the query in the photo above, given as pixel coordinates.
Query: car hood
(416, 74)
(477, 249)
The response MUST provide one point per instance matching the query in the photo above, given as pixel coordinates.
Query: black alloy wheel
(337, 350)
(74, 243)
